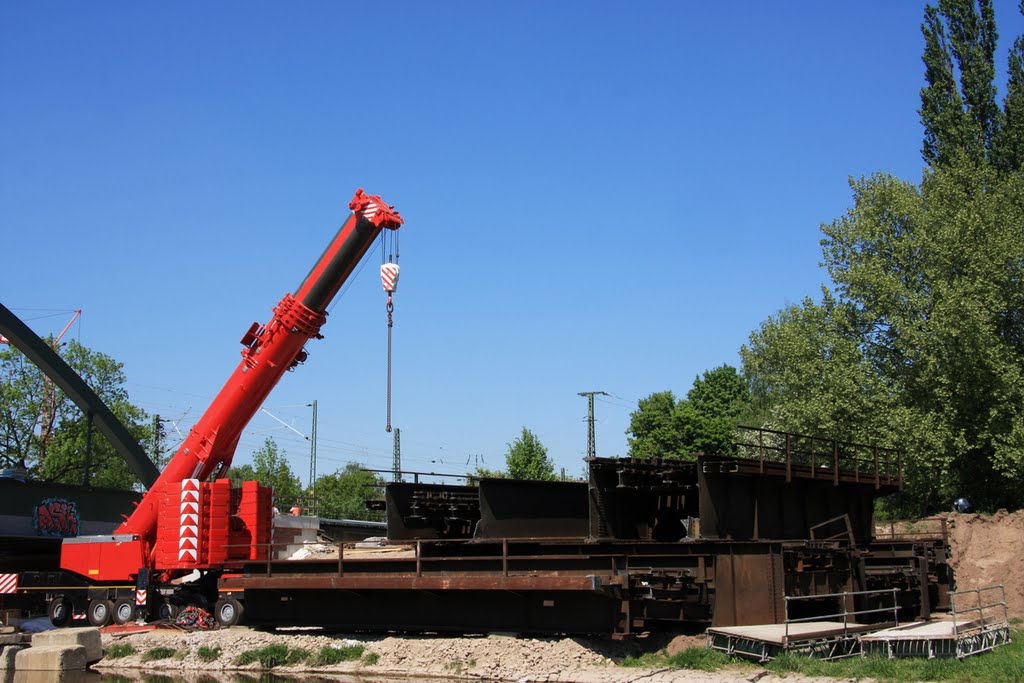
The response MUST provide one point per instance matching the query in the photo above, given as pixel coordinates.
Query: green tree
(919, 342)
(343, 495)
(655, 428)
(1010, 138)
(484, 473)
(718, 400)
(241, 473)
(922, 343)
(270, 467)
(958, 104)
(527, 458)
(43, 431)
(705, 421)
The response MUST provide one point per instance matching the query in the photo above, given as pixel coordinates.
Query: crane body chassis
(190, 523)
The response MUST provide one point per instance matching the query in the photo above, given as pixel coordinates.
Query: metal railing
(929, 528)
(981, 617)
(845, 614)
(824, 457)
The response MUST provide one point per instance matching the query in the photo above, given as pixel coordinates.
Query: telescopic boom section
(270, 351)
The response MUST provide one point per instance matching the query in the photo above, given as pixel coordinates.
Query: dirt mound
(989, 550)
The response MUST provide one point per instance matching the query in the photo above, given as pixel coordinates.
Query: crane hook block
(373, 209)
(389, 277)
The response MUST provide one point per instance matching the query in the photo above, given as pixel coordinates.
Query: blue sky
(598, 196)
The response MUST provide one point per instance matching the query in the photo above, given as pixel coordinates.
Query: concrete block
(10, 638)
(7, 654)
(50, 658)
(88, 637)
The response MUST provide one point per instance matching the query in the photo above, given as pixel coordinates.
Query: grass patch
(268, 657)
(1005, 663)
(648, 660)
(207, 653)
(159, 653)
(457, 666)
(332, 655)
(371, 659)
(280, 655)
(699, 658)
(118, 650)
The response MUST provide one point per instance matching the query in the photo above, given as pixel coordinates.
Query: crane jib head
(375, 210)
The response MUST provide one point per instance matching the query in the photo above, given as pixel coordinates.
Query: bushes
(281, 655)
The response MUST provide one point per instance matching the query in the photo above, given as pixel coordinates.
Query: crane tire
(60, 611)
(100, 612)
(228, 611)
(167, 611)
(125, 611)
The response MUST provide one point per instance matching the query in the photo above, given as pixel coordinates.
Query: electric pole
(591, 442)
(312, 454)
(396, 464)
(156, 438)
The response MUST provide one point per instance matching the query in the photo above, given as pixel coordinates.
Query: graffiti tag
(56, 517)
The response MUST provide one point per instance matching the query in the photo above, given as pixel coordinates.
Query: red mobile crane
(190, 519)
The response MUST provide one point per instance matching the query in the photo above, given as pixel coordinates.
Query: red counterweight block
(216, 516)
(255, 510)
(179, 531)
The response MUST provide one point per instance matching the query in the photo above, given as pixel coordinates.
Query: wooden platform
(780, 634)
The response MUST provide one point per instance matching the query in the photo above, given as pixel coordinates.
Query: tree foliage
(958, 104)
(921, 345)
(527, 458)
(959, 109)
(43, 430)
(343, 495)
(919, 342)
(705, 421)
(270, 467)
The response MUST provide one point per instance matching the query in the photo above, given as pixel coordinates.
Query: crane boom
(270, 351)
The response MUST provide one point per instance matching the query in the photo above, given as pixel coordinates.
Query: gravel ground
(488, 658)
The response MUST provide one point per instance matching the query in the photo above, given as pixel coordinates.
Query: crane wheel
(60, 611)
(100, 612)
(167, 611)
(228, 611)
(125, 611)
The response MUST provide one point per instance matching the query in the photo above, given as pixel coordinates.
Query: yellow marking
(93, 572)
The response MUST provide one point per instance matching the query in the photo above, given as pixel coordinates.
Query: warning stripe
(8, 583)
(140, 597)
(389, 276)
(188, 530)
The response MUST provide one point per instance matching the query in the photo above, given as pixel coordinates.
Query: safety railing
(930, 528)
(984, 608)
(845, 614)
(823, 458)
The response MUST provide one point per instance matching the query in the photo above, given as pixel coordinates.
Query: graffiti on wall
(56, 517)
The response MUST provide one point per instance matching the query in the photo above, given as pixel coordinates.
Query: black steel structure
(97, 412)
(643, 545)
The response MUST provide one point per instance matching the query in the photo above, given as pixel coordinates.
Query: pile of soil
(988, 550)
